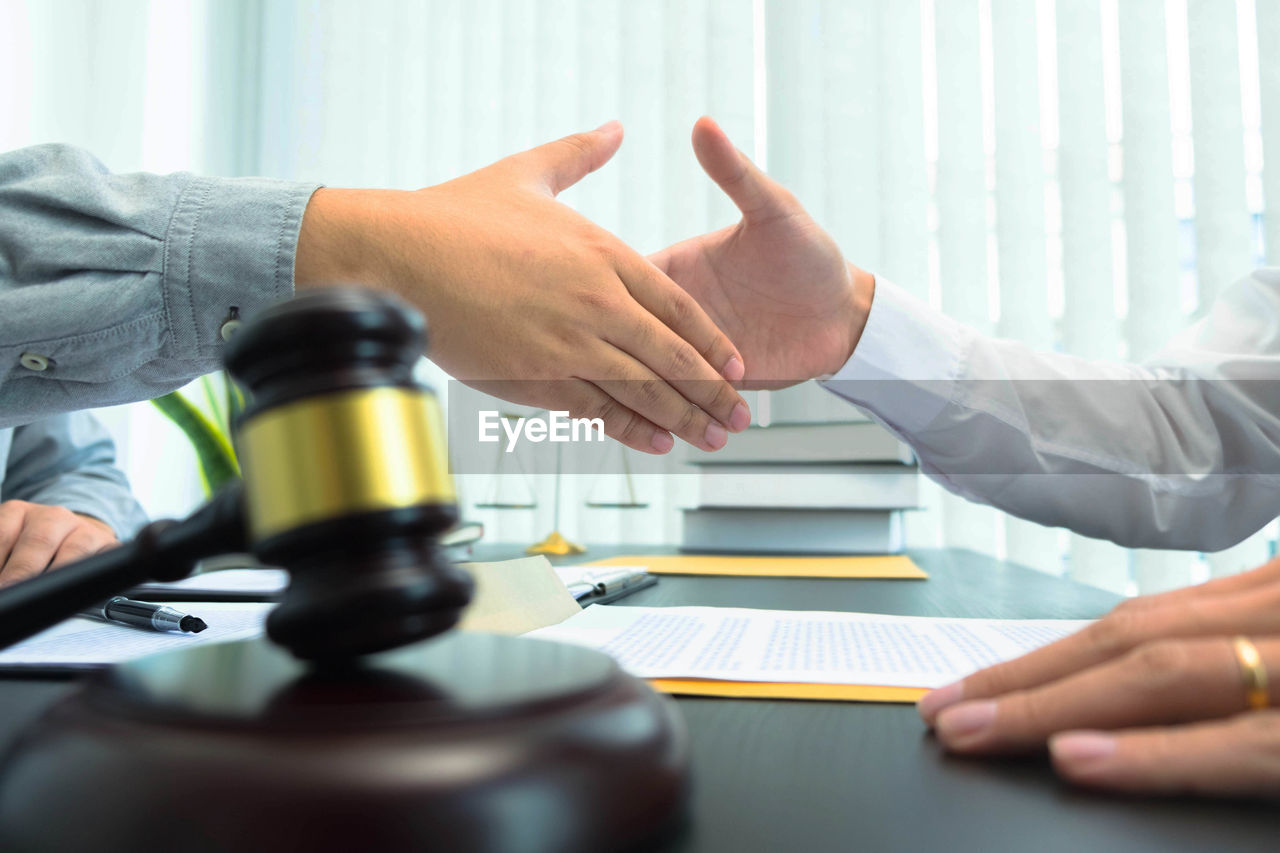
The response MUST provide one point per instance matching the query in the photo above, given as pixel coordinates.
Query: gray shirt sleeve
(114, 288)
(69, 460)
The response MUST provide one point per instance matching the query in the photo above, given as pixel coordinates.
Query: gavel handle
(162, 551)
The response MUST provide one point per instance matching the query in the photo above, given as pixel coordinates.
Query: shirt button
(229, 329)
(34, 361)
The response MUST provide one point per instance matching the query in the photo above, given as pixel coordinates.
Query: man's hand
(1151, 698)
(776, 283)
(35, 538)
(530, 301)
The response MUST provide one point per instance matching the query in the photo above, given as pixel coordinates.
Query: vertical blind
(1082, 175)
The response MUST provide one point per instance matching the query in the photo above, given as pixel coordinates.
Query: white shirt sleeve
(1182, 452)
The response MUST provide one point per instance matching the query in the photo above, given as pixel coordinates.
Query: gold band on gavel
(340, 454)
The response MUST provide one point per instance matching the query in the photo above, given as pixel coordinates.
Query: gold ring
(1254, 672)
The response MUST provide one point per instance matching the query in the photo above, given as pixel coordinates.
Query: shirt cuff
(110, 503)
(229, 253)
(905, 366)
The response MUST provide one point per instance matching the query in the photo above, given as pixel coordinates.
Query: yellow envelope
(867, 568)
(779, 690)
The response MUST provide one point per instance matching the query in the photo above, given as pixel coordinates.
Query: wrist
(97, 522)
(341, 236)
(853, 318)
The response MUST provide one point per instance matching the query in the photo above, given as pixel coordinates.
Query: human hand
(530, 301)
(1151, 698)
(35, 538)
(776, 283)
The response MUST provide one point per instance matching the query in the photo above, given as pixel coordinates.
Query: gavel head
(346, 474)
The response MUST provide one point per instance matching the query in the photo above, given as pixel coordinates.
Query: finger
(620, 422)
(559, 165)
(758, 196)
(662, 378)
(42, 534)
(1264, 575)
(1170, 681)
(11, 515)
(581, 398)
(1249, 611)
(678, 311)
(83, 542)
(1238, 756)
(657, 400)
(661, 260)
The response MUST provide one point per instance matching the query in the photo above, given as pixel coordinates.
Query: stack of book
(825, 488)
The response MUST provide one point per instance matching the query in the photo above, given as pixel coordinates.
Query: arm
(118, 287)
(115, 288)
(62, 496)
(1179, 455)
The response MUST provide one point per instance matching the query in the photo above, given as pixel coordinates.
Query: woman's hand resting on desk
(35, 537)
(1153, 698)
(530, 301)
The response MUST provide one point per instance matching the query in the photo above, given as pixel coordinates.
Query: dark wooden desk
(826, 776)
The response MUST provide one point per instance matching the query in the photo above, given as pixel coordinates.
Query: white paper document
(802, 646)
(82, 643)
(263, 581)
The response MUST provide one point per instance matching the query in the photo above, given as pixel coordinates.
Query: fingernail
(715, 436)
(935, 700)
(739, 418)
(966, 720)
(608, 125)
(662, 442)
(1081, 749)
(733, 369)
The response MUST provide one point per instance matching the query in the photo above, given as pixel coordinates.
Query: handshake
(534, 303)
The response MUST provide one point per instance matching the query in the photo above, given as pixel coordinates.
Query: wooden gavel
(346, 485)
(362, 737)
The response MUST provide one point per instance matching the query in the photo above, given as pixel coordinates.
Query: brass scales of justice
(555, 543)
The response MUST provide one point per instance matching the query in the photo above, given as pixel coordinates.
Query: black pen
(145, 615)
(603, 592)
(608, 582)
(616, 584)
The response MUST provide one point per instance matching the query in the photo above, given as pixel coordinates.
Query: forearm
(389, 240)
(410, 244)
(69, 461)
(120, 284)
(101, 494)
(1144, 456)
(338, 238)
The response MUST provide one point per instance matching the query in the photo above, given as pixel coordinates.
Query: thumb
(756, 194)
(561, 164)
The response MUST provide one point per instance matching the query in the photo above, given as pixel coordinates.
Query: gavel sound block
(363, 724)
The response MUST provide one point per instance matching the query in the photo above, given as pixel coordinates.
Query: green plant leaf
(215, 410)
(235, 399)
(213, 450)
